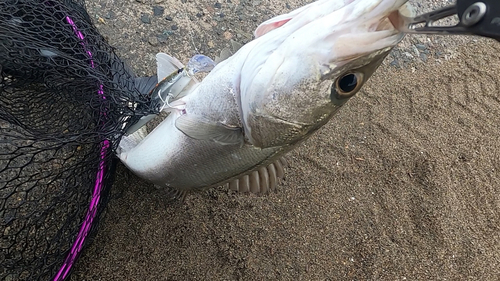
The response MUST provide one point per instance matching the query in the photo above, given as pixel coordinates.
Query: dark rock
(145, 19)
(162, 38)
(420, 46)
(153, 41)
(158, 11)
(169, 18)
(174, 27)
(217, 5)
(109, 15)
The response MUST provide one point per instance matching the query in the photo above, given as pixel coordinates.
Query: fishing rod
(481, 18)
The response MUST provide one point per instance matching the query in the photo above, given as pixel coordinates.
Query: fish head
(303, 66)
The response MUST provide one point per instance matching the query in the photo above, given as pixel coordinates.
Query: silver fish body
(198, 163)
(278, 89)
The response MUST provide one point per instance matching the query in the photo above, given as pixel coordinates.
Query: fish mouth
(394, 19)
(379, 30)
(378, 15)
(397, 19)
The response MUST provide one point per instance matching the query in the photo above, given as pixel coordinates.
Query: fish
(234, 127)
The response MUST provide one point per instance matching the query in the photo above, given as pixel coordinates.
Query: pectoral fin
(201, 129)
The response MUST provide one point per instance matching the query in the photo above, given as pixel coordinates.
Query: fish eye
(346, 86)
(347, 83)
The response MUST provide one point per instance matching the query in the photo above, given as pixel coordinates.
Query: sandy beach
(402, 184)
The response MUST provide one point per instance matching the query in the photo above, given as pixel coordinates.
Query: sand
(402, 184)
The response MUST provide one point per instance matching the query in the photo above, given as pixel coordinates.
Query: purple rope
(96, 194)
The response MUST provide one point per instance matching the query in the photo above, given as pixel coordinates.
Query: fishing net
(65, 101)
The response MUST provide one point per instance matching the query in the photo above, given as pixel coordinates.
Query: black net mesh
(65, 101)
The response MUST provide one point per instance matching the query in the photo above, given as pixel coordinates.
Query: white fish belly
(169, 158)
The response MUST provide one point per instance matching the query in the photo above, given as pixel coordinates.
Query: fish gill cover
(65, 101)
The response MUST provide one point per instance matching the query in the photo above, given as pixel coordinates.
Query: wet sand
(402, 184)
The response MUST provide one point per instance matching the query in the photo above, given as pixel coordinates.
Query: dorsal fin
(227, 52)
(261, 181)
(235, 46)
(166, 65)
